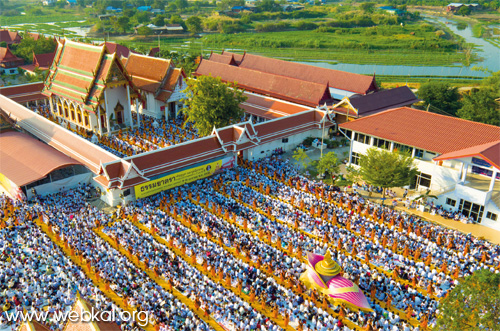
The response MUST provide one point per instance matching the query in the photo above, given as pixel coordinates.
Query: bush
(10, 12)
(304, 25)
(272, 27)
(308, 141)
(145, 31)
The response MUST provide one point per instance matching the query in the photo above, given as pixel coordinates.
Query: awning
(24, 159)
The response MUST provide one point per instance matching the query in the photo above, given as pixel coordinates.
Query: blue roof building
(144, 8)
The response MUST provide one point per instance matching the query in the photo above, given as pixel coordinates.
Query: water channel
(488, 53)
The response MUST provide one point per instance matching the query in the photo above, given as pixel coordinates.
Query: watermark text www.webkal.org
(141, 317)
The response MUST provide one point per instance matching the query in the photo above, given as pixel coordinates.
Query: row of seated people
(75, 221)
(226, 305)
(251, 280)
(440, 242)
(361, 232)
(283, 233)
(151, 134)
(36, 276)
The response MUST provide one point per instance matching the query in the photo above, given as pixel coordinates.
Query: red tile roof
(43, 60)
(35, 36)
(269, 108)
(81, 56)
(24, 92)
(151, 161)
(21, 155)
(424, 130)
(153, 75)
(120, 50)
(237, 57)
(285, 88)
(489, 152)
(7, 56)
(173, 79)
(10, 37)
(223, 58)
(153, 51)
(152, 68)
(334, 78)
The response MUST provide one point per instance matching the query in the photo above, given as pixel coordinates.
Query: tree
(228, 4)
(145, 31)
(479, 105)
(141, 17)
(181, 4)
(159, 20)
(212, 103)
(367, 7)
(193, 24)
(301, 157)
(441, 96)
(386, 169)
(120, 24)
(473, 304)
(464, 11)
(328, 163)
(352, 175)
(28, 46)
(268, 5)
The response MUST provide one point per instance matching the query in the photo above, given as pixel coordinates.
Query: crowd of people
(234, 245)
(150, 134)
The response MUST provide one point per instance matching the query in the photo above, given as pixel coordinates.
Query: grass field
(411, 45)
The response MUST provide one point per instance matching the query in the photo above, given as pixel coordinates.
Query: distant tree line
(476, 104)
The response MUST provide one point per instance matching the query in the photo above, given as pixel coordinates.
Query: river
(489, 55)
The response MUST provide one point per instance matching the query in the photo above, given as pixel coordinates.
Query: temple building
(159, 82)
(41, 62)
(88, 88)
(9, 62)
(10, 37)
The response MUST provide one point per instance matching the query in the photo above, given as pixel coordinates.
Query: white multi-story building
(458, 160)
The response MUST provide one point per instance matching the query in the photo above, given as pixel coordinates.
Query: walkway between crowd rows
(298, 254)
(167, 285)
(89, 272)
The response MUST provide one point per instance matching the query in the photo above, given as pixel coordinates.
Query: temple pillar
(108, 126)
(99, 119)
(138, 112)
(51, 105)
(492, 182)
(464, 172)
(350, 148)
(129, 113)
